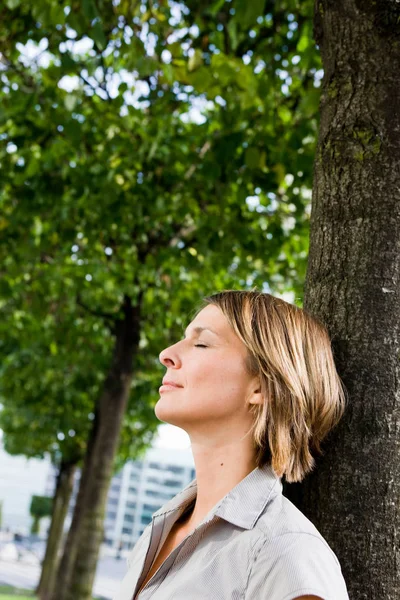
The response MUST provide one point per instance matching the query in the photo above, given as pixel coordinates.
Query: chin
(163, 413)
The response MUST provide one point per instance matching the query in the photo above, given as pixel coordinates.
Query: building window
(133, 490)
(127, 530)
(152, 494)
(111, 515)
(128, 518)
(159, 495)
(153, 465)
(113, 501)
(174, 469)
(153, 480)
(172, 483)
(150, 507)
(131, 505)
(145, 519)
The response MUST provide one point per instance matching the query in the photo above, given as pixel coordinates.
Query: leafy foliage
(40, 507)
(155, 147)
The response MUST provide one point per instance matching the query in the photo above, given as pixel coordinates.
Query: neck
(217, 473)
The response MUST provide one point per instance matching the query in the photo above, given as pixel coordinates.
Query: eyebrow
(200, 330)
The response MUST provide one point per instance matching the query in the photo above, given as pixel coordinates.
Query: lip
(169, 382)
(168, 386)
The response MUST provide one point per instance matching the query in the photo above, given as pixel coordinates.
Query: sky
(170, 436)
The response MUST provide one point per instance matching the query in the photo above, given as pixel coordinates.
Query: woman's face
(207, 388)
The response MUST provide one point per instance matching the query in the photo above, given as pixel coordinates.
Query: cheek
(220, 375)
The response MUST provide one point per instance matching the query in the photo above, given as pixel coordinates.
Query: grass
(13, 596)
(8, 592)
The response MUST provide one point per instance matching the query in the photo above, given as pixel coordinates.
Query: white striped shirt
(253, 545)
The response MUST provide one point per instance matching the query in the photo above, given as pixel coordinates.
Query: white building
(135, 493)
(140, 489)
(20, 479)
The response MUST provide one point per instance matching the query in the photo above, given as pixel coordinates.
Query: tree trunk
(78, 567)
(66, 565)
(65, 483)
(35, 525)
(352, 285)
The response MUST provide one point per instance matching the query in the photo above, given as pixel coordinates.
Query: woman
(254, 385)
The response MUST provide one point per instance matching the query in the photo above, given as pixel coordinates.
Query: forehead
(211, 317)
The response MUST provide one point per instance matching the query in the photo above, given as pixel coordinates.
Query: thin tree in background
(62, 496)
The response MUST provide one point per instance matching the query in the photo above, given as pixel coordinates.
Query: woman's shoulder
(295, 555)
(281, 517)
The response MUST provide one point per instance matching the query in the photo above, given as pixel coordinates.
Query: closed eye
(200, 346)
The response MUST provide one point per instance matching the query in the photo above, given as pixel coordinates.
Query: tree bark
(78, 566)
(66, 565)
(352, 285)
(65, 483)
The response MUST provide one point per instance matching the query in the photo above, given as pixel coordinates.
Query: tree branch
(96, 313)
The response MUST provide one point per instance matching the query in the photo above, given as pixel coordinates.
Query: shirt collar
(242, 506)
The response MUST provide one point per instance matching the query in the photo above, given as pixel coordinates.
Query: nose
(169, 358)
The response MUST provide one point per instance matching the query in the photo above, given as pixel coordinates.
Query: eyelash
(200, 346)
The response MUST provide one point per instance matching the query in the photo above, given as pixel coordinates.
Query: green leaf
(305, 38)
(70, 101)
(53, 348)
(196, 60)
(67, 61)
(252, 158)
(37, 228)
(233, 34)
(97, 34)
(12, 4)
(247, 12)
(284, 114)
(90, 9)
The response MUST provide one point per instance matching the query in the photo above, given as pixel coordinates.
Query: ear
(256, 396)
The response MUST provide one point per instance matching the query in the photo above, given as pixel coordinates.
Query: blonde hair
(304, 397)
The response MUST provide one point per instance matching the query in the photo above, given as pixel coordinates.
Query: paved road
(25, 573)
